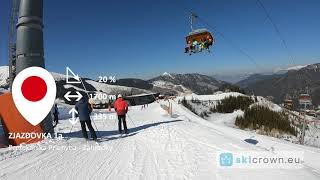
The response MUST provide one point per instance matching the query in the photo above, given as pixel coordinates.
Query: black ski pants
(122, 119)
(84, 129)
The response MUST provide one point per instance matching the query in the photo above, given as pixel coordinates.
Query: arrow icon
(73, 120)
(74, 76)
(68, 96)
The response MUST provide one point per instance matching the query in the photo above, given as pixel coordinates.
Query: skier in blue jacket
(84, 109)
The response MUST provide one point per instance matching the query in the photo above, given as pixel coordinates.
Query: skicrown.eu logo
(226, 159)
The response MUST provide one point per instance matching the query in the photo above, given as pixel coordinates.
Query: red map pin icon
(34, 92)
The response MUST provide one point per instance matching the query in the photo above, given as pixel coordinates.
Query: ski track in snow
(158, 147)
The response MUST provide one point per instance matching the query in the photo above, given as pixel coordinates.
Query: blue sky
(144, 38)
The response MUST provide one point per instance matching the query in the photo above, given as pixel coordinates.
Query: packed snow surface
(159, 146)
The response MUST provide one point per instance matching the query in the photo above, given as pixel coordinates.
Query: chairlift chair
(196, 36)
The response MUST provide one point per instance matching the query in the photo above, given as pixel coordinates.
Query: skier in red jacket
(121, 107)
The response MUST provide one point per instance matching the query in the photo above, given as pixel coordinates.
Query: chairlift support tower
(12, 41)
(29, 43)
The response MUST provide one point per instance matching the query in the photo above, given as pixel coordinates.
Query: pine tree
(273, 122)
(230, 104)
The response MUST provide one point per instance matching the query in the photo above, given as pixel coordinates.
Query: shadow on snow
(110, 135)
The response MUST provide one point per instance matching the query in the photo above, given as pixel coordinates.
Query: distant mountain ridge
(187, 83)
(90, 85)
(256, 78)
(292, 83)
(167, 83)
(172, 83)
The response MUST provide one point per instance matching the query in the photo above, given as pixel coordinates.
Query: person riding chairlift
(189, 48)
(201, 44)
(195, 45)
(206, 44)
(198, 46)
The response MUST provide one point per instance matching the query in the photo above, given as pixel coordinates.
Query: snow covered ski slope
(158, 147)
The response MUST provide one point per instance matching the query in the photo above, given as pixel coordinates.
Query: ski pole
(131, 120)
(96, 128)
(71, 129)
(115, 122)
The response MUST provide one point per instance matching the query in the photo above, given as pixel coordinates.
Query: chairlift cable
(232, 44)
(283, 41)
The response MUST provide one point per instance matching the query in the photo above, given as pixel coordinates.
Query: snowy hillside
(184, 146)
(283, 70)
(187, 83)
(171, 86)
(203, 103)
(215, 97)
